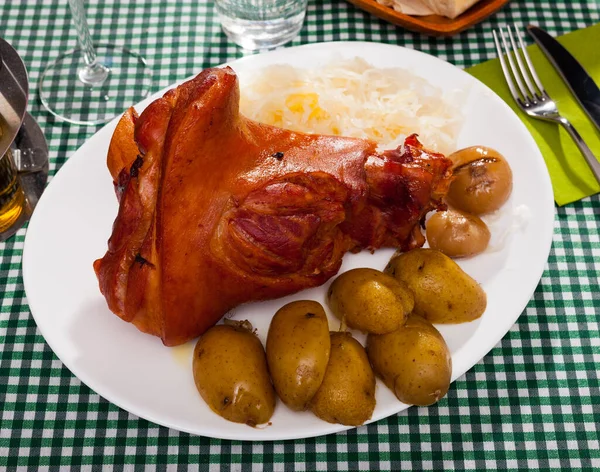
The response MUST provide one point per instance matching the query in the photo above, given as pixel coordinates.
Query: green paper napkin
(571, 177)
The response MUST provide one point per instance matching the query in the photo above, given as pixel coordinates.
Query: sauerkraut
(353, 98)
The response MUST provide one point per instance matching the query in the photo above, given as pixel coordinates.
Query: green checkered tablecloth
(532, 403)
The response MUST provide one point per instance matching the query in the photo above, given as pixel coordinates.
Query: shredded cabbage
(353, 98)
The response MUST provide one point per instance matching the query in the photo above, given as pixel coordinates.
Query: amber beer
(12, 198)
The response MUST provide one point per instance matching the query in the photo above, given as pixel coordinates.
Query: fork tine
(513, 68)
(536, 79)
(525, 71)
(505, 71)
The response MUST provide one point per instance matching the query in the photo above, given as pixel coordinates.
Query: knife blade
(582, 86)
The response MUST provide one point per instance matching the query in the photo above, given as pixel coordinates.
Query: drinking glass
(92, 84)
(12, 197)
(261, 24)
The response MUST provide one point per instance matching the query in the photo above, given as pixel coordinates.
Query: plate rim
(327, 428)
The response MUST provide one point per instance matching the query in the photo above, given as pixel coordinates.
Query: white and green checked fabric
(532, 403)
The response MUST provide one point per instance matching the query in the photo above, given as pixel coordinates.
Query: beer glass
(12, 197)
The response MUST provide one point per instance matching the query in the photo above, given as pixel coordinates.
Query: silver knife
(580, 83)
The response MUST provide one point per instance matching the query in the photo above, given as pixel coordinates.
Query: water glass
(261, 24)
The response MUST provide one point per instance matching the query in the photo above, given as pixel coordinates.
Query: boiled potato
(413, 361)
(298, 348)
(230, 372)
(370, 301)
(482, 180)
(443, 292)
(457, 234)
(347, 394)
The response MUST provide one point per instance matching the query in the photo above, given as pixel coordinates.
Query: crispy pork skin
(216, 210)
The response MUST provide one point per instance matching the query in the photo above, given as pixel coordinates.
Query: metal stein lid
(20, 134)
(14, 92)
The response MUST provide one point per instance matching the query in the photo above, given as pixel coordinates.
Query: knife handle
(585, 150)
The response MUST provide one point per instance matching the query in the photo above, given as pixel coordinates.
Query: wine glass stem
(93, 72)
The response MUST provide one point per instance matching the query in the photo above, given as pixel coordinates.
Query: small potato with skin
(347, 394)
(298, 346)
(370, 301)
(482, 182)
(413, 361)
(443, 292)
(231, 374)
(457, 234)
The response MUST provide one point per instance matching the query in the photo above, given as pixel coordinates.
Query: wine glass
(92, 84)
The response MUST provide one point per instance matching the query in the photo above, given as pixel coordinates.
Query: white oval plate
(73, 220)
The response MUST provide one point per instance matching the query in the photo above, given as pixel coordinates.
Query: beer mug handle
(29, 160)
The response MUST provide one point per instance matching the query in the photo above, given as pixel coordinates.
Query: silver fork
(533, 99)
